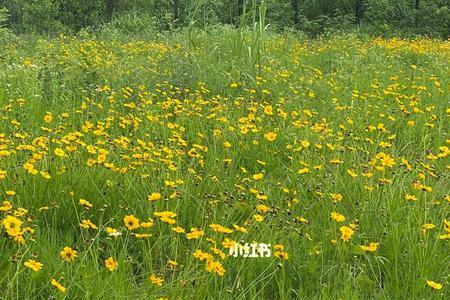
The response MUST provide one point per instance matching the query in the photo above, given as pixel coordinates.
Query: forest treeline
(313, 17)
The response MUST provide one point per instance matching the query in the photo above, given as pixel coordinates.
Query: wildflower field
(129, 168)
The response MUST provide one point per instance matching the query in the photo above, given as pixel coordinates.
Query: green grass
(334, 93)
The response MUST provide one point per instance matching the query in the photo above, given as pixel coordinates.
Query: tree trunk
(240, 6)
(14, 19)
(296, 8)
(359, 11)
(109, 9)
(176, 10)
(240, 11)
(416, 17)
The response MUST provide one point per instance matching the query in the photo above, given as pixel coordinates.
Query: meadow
(129, 167)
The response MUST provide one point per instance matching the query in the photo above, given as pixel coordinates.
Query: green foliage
(391, 17)
(314, 17)
(78, 14)
(204, 95)
(6, 36)
(3, 15)
(323, 23)
(130, 24)
(41, 16)
(280, 14)
(434, 18)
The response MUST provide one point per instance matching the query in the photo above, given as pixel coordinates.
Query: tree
(296, 7)
(110, 6)
(176, 10)
(240, 6)
(416, 17)
(359, 11)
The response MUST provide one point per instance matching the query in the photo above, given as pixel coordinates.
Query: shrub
(6, 36)
(130, 24)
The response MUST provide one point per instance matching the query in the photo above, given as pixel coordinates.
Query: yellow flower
(194, 234)
(147, 224)
(142, 235)
(336, 197)
(303, 171)
(166, 217)
(410, 123)
(426, 227)
(261, 196)
(386, 159)
(86, 224)
(409, 197)
(352, 173)
(172, 264)
(154, 196)
(305, 144)
(68, 254)
(258, 176)
(278, 247)
(111, 264)
(13, 225)
(227, 243)
(10, 193)
(58, 285)
(215, 266)
(262, 208)
(6, 206)
(33, 265)
(48, 117)
(302, 220)
(156, 280)
(239, 228)
(372, 247)
(164, 214)
(20, 212)
(131, 222)
(85, 203)
(281, 254)
(45, 175)
(258, 218)
(220, 228)
(346, 233)
(268, 110)
(113, 232)
(336, 161)
(434, 285)
(178, 229)
(19, 238)
(270, 136)
(60, 152)
(337, 217)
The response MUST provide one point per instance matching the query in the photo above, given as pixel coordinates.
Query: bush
(42, 17)
(393, 18)
(325, 24)
(130, 24)
(433, 20)
(6, 36)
